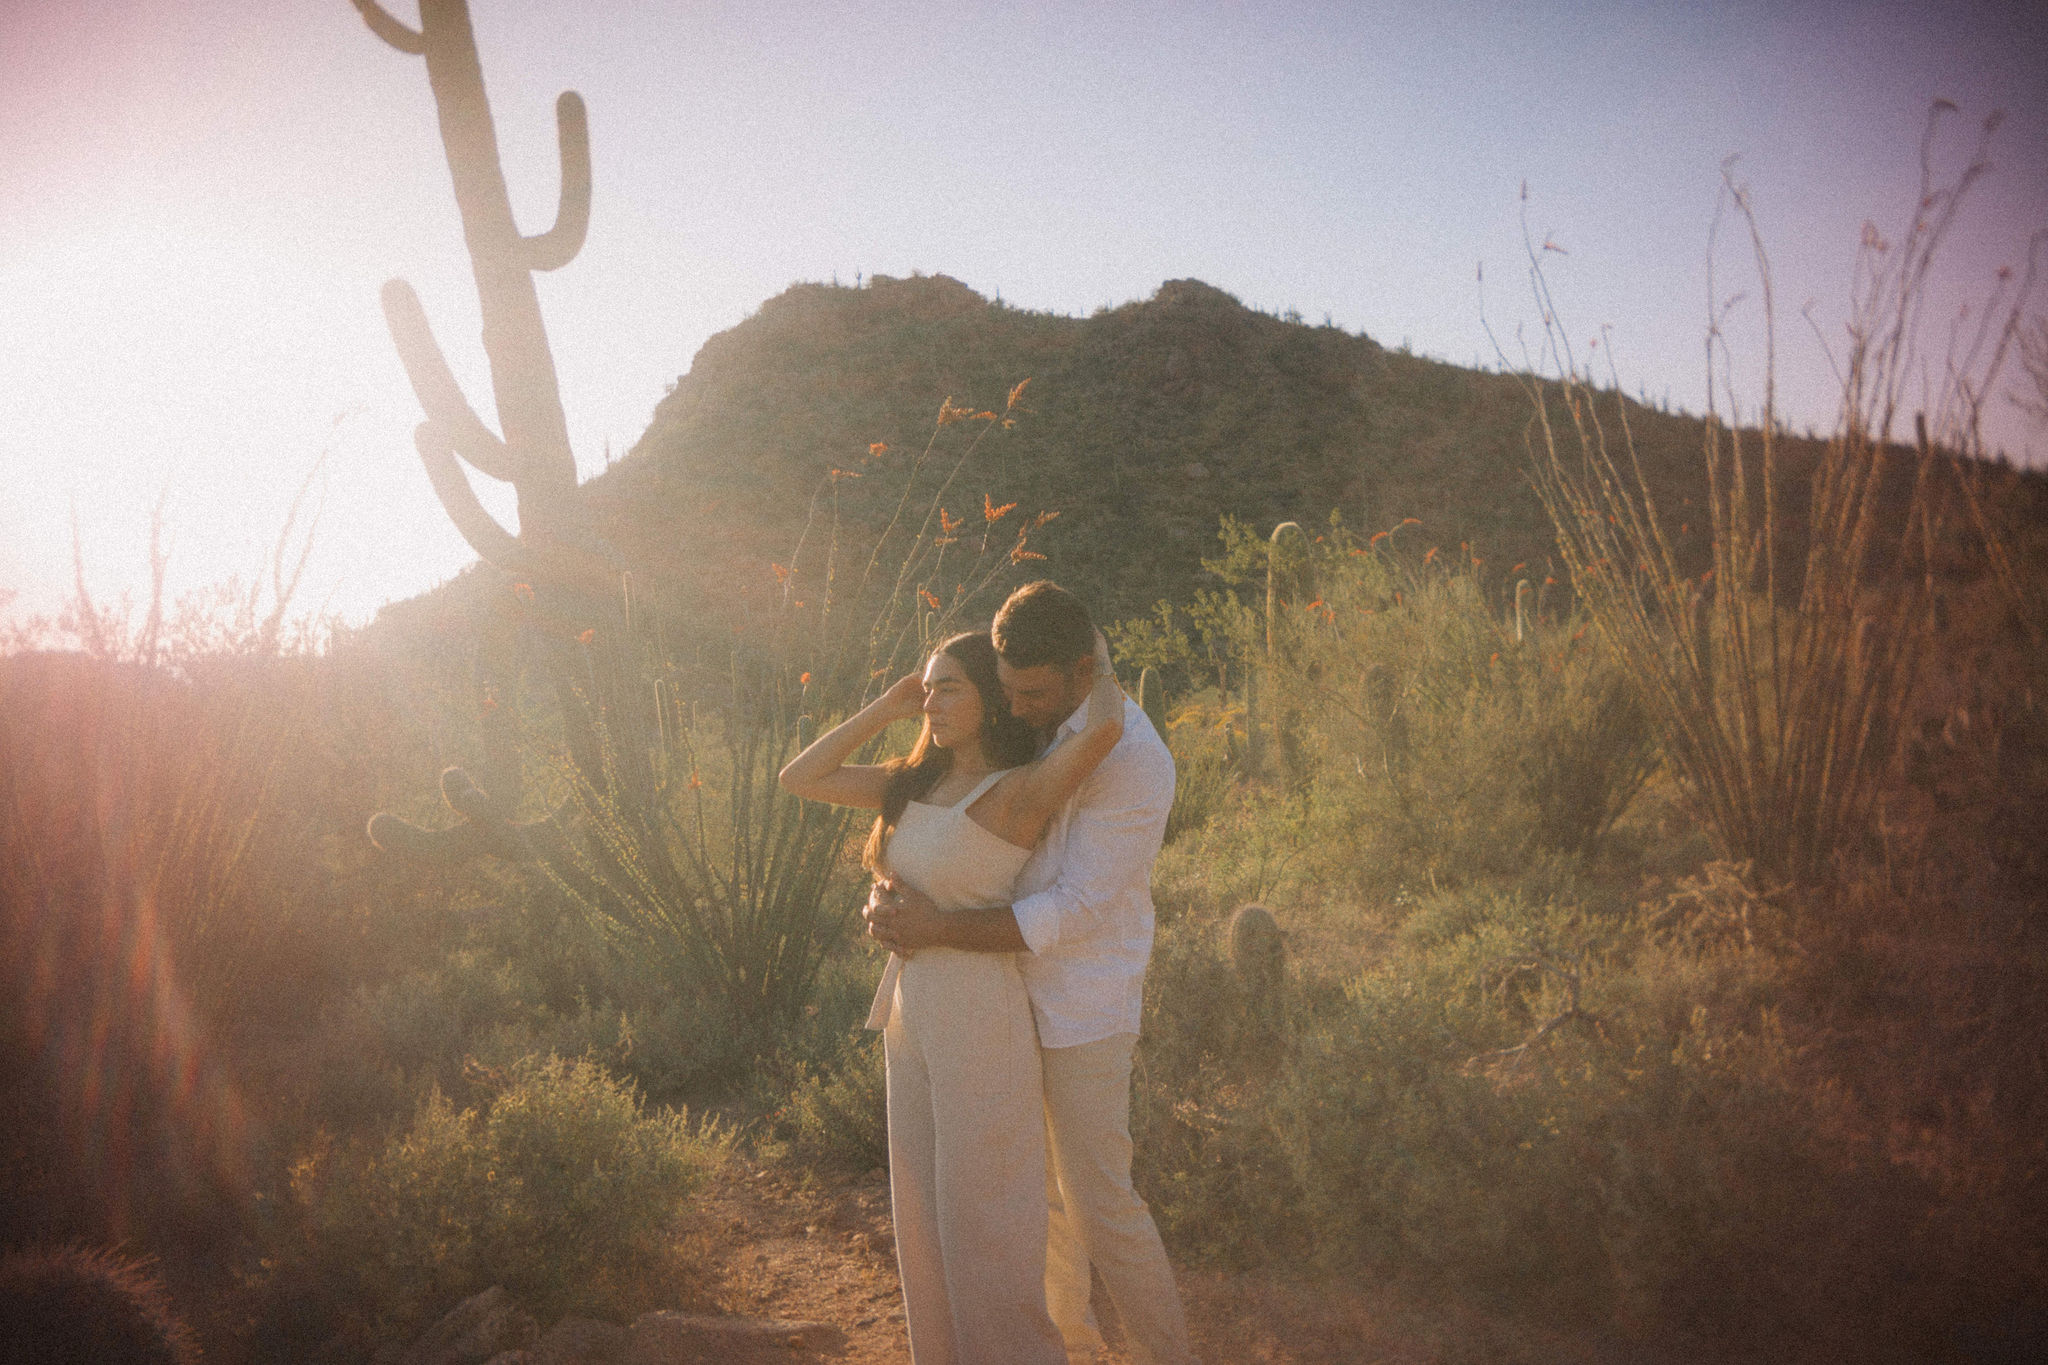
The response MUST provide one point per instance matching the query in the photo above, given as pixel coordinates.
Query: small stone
(579, 1341)
(671, 1338)
(481, 1327)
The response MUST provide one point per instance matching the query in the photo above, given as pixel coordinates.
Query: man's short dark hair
(1043, 623)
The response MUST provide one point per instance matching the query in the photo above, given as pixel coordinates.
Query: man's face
(1047, 694)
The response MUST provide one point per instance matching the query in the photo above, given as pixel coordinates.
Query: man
(1083, 930)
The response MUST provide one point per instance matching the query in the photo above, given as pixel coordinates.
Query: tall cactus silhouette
(742, 912)
(567, 577)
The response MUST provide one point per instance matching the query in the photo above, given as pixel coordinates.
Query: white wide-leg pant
(1097, 1218)
(967, 1162)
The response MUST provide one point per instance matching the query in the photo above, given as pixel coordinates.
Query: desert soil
(777, 1241)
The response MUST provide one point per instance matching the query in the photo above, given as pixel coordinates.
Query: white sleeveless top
(960, 865)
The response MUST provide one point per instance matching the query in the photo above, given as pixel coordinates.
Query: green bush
(561, 1188)
(838, 1112)
(828, 1095)
(1568, 1107)
(1419, 729)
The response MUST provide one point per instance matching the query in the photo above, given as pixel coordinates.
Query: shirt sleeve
(1118, 824)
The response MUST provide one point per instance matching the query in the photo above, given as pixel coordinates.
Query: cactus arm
(493, 542)
(433, 383)
(453, 846)
(1290, 540)
(466, 798)
(449, 847)
(406, 40)
(1152, 699)
(555, 248)
(483, 829)
(515, 339)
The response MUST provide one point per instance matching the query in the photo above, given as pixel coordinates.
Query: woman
(959, 818)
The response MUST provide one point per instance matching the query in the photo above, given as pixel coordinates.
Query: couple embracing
(1013, 858)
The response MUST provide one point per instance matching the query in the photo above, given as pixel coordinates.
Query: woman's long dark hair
(1006, 741)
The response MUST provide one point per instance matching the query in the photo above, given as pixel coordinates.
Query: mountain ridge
(1144, 424)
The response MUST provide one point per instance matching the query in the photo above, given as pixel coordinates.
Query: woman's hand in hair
(904, 700)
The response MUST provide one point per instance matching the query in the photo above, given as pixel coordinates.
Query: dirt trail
(774, 1241)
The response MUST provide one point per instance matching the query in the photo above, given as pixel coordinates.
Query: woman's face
(952, 702)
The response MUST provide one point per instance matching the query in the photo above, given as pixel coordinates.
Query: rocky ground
(784, 1243)
(790, 1265)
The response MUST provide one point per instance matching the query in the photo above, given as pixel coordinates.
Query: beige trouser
(967, 1162)
(1096, 1217)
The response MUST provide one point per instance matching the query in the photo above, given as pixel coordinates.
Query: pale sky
(200, 198)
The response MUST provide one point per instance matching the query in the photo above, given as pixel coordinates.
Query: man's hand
(902, 918)
(880, 912)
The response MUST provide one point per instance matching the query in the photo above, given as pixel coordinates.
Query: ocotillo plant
(720, 875)
(1779, 687)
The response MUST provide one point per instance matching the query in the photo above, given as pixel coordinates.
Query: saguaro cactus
(567, 576)
(1152, 698)
(533, 455)
(1286, 562)
(1258, 959)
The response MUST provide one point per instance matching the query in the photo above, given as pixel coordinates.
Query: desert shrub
(1545, 1096)
(825, 1093)
(838, 1112)
(1426, 724)
(1198, 733)
(1199, 1115)
(170, 913)
(75, 1305)
(561, 1187)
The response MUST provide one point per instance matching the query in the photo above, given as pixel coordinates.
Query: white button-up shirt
(1084, 900)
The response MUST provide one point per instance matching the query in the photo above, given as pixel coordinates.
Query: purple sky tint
(199, 199)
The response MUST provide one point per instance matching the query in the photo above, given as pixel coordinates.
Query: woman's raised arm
(1048, 784)
(821, 772)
